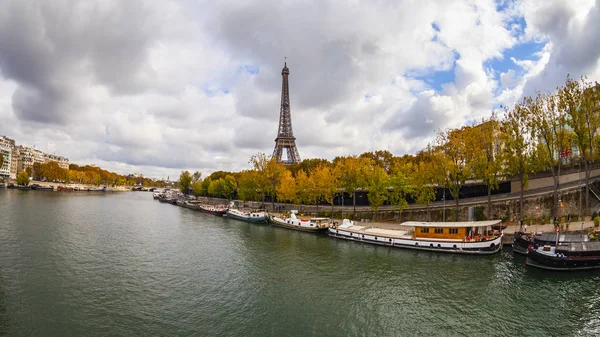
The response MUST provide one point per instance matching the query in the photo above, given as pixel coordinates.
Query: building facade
(7, 147)
(62, 161)
(29, 156)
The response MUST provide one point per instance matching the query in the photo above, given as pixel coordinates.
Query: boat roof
(451, 224)
(318, 219)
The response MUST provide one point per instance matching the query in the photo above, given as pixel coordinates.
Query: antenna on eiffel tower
(285, 136)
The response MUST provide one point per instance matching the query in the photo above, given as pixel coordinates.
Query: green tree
(205, 185)
(229, 187)
(353, 174)
(486, 163)
(286, 191)
(197, 188)
(580, 99)
(425, 176)
(23, 178)
(185, 180)
(248, 188)
(306, 192)
(377, 186)
(269, 171)
(326, 182)
(456, 149)
(400, 187)
(548, 124)
(518, 148)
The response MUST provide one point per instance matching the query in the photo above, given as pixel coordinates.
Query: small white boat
(306, 225)
(258, 216)
(473, 237)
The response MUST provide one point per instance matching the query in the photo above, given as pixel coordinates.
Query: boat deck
(551, 237)
(580, 247)
(394, 233)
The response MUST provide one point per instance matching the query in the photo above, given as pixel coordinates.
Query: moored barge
(214, 210)
(522, 241)
(313, 225)
(567, 257)
(258, 216)
(473, 237)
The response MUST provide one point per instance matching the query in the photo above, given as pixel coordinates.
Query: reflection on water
(122, 264)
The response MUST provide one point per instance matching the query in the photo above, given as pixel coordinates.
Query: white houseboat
(257, 216)
(306, 225)
(473, 237)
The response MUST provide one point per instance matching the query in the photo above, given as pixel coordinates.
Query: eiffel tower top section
(285, 135)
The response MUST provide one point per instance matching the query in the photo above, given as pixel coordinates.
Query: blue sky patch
(248, 69)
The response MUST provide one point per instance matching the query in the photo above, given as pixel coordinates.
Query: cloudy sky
(160, 86)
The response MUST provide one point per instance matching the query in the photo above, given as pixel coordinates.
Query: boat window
(424, 230)
(453, 231)
(439, 230)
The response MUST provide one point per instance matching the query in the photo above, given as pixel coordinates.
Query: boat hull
(567, 263)
(474, 248)
(257, 220)
(281, 224)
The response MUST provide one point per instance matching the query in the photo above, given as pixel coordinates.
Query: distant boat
(186, 204)
(41, 188)
(258, 216)
(18, 187)
(215, 210)
(473, 237)
(306, 225)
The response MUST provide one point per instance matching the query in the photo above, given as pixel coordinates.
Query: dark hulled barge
(568, 256)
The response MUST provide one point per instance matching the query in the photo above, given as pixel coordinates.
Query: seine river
(87, 264)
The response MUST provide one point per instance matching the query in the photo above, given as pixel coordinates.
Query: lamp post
(444, 200)
(580, 191)
(342, 206)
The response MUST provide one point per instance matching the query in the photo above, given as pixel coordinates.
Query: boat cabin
(465, 231)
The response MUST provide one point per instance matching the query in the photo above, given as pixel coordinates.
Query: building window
(424, 230)
(453, 231)
(439, 231)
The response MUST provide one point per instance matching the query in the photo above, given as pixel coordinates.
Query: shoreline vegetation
(546, 133)
(88, 176)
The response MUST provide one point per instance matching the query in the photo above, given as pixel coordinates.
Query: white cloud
(160, 86)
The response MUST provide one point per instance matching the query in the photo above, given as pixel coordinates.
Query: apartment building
(62, 161)
(7, 146)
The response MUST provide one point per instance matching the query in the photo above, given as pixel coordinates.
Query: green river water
(122, 264)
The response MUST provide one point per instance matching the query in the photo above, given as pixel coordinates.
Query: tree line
(544, 132)
(92, 175)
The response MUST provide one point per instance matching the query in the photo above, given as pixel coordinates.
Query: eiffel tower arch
(285, 140)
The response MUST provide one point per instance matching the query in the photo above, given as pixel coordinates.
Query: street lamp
(444, 200)
(580, 191)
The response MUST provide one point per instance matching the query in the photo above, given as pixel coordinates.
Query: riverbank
(79, 186)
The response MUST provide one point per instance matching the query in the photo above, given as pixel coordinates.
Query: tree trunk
(354, 202)
(489, 210)
(587, 168)
(456, 216)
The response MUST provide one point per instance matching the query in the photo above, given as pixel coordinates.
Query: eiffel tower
(285, 136)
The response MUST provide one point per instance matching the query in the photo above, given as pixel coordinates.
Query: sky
(159, 86)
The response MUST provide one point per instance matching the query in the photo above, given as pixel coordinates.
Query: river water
(122, 264)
